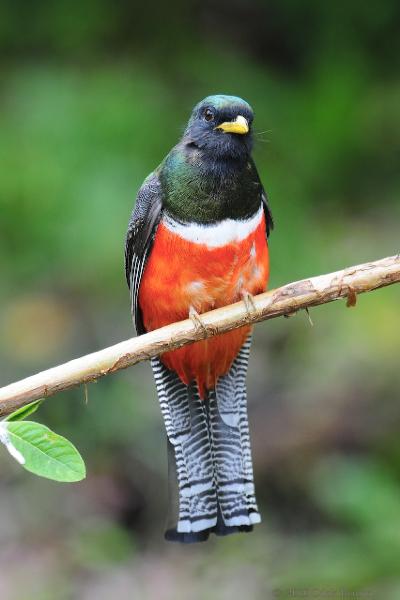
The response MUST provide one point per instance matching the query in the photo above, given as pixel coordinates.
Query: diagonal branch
(285, 300)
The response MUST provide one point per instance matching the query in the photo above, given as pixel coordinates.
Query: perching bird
(197, 240)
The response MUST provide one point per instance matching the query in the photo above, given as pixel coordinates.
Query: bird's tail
(192, 495)
(211, 487)
(230, 438)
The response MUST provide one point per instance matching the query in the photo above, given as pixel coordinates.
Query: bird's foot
(196, 320)
(249, 303)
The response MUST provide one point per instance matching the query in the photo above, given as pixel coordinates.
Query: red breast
(181, 273)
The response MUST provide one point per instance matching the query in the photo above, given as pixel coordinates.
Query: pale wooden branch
(285, 300)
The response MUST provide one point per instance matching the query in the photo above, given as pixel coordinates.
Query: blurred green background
(93, 95)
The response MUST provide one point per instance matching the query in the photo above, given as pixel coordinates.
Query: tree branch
(282, 301)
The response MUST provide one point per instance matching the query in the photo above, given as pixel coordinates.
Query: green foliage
(40, 450)
(45, 453)
(24, 411)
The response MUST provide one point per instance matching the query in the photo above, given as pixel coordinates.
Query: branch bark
(285, 300)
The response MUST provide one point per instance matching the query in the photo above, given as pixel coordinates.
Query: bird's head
(221, 126)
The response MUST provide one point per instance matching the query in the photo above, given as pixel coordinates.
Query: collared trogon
(197, 240)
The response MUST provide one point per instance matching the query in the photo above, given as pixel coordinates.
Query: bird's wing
(139, 240)
(269, 221)
(268, 214)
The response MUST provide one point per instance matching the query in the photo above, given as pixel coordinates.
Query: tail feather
(211, 485)
(231, 445)
(240, 365)
(190, 460)
(179, 508)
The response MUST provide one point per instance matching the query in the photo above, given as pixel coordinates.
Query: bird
(197, 240)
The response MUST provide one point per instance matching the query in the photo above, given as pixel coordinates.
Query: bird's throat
(203, 190)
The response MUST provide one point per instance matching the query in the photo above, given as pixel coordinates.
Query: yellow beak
(239, 125)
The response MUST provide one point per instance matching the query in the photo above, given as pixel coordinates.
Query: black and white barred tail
(211, 485)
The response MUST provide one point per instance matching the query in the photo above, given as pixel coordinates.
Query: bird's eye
(208, 114)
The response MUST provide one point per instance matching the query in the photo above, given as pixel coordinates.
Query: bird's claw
(196, 320)
(249, 303)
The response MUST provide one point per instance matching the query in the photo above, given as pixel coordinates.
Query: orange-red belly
(180, 274)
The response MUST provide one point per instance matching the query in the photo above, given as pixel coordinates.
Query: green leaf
(43, 452)
(24, 411)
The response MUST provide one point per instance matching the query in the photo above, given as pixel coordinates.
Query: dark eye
(208, 114)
